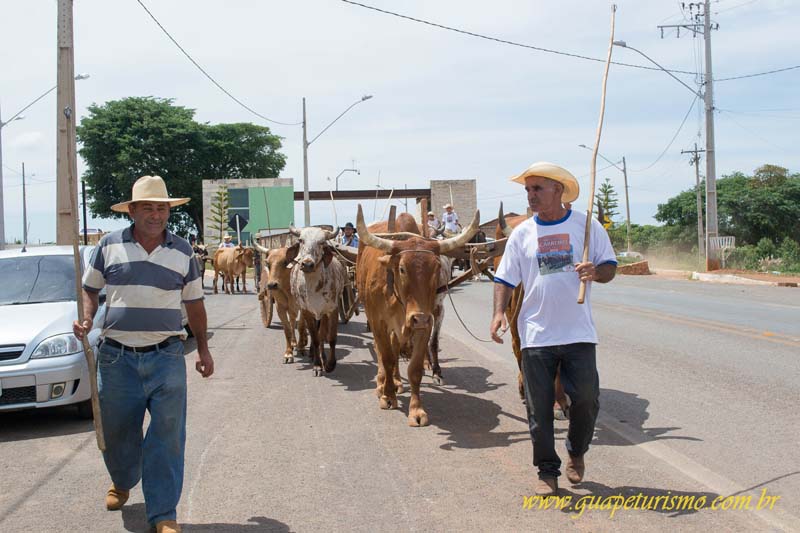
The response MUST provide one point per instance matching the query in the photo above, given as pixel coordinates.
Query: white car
(42, 364)
(631, 255)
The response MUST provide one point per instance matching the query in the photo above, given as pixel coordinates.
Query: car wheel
(85, 410)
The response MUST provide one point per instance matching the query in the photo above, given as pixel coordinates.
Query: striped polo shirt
(144, 291)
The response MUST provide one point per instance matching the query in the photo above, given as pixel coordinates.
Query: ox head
(413, 268)
(278, 265)
(243, 255)
(312, 248)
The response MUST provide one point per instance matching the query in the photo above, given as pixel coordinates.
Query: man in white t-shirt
(544, 254)
(450, 219)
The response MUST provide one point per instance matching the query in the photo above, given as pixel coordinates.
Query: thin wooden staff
(588, 230)
(87, 349)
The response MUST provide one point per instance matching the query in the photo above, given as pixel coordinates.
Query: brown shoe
(116, 498)
(168, 526)
(575, 469)
(546, 487)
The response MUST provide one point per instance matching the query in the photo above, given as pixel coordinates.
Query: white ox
(317, 282)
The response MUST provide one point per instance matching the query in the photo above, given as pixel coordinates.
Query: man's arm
(601, 274)
(502, 296)
(91, 301)
(198, 321)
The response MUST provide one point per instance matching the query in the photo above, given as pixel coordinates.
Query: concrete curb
(731, 279)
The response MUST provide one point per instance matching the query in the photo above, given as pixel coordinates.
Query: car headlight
(56, 346)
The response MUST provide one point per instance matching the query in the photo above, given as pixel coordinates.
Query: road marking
(198, 475)
(690, 468)
(741, 331)
(777, 518)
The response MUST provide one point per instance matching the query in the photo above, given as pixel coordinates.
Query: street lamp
(17, 116)
(358, 172)
(624, 171)
(712, 224)
(307, 143)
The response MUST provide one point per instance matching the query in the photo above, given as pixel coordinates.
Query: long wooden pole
(588, 230)
(87, 348)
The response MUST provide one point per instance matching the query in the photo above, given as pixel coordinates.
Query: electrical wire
(207, 75)
(549, 50)
(651, 165)
(504, 41)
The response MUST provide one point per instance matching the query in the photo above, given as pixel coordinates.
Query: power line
(207, 75)
(549, 50)
(504, 41)
(759, 73)
(686, 116)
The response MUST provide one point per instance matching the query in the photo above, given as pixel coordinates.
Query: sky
(445, 105)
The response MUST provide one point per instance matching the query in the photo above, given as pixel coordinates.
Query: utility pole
(83, 197)
(700, 233)
(2, 211)
(24, 212)
(306, 200)
(66, 160)
(704, 28)
(627, 202)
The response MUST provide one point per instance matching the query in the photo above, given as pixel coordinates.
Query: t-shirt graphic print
(555, 254)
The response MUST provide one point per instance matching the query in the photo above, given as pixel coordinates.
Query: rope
(452, 303)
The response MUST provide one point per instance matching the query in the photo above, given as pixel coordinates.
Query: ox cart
(348, 303)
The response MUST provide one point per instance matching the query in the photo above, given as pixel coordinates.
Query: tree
(219, 211)
(607, 198)
(765, 205)
(125, 139)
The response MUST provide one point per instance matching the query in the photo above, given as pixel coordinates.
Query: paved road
(699, 387)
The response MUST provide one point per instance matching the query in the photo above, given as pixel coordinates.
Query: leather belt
(141, 349)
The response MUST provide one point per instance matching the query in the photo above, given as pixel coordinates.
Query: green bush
(766, 248)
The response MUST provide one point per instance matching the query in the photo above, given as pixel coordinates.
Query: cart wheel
(345, 303)
(267, 308)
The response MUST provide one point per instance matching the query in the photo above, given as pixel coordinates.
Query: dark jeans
(581, 383)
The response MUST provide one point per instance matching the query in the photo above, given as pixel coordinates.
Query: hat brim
(122, 207)
(571, 188)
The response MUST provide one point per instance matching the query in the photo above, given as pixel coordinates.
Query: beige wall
(465, 198)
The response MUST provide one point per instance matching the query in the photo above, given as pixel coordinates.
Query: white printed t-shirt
(450, 221)
(542, 256)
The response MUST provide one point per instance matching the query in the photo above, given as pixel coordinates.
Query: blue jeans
(130, 383)
(581, 383)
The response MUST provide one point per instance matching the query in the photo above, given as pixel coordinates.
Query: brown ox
(405, 223)
(230, 263)
(398, 282)
(276, 283)
(505, 225)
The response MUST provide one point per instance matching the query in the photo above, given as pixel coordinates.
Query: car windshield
(36, 279)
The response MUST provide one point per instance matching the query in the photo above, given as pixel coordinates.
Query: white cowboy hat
(227, 238)
(448, 205)
(547, 170)
(149, 189)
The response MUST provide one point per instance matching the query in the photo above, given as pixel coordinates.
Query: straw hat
(149, 189)
(226, 238)
(446, 206)
(543, 169)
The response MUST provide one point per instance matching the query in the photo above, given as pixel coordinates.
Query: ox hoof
(317, 372)
(419, 419)
(560, 413)
(398, 386)
(438, 379)
(388, 403)
(288, 359)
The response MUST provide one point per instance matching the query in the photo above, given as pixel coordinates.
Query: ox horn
(330, 235)
(448, 245)
(294, 231)
(501, 219)
(260, 248)
(367, 238)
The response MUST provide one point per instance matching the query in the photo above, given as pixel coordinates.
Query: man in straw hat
(450, 219)
(149, 272)
(543, 254)
(226, 242)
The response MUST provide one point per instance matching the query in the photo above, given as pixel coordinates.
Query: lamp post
(712, 224)
(17, 116)
(624, 171)
(358, 172)
(307, 143)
